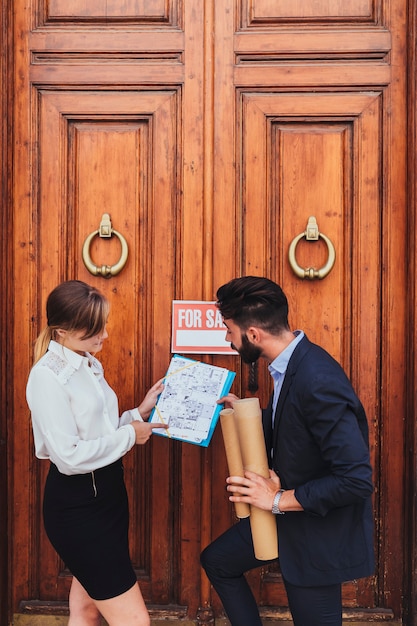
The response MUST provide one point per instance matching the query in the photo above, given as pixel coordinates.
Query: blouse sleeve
(56, 434)
(130, 416)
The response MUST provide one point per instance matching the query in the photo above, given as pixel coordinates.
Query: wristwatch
(275, 505)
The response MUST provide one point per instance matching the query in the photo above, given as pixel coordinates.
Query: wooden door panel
(115, 153)
(313, 163)
(279, 46)
(302, 76)
(261, 11)
(318, 155)
(139, 10)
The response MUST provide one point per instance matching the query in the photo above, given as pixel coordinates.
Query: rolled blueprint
(248, 418)
(233, 454)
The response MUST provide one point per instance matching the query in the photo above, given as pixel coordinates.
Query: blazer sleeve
(337, 464)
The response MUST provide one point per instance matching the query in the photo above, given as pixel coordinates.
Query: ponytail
(42, 343)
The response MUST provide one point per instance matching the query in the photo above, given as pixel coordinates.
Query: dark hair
(74, 306)
(253, 300)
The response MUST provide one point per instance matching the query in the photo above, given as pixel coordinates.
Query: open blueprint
(188, 403)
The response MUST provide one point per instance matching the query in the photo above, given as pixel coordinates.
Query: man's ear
(254, 334)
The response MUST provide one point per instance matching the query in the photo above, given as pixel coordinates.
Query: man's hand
(228, 400)
(254, 489)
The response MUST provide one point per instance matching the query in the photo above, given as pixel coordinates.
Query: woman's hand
(150, 399)
(143, 430)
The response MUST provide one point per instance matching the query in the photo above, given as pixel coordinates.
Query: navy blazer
(320, 449)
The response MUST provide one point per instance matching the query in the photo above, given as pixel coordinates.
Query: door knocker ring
(105, 231)
(311, 233)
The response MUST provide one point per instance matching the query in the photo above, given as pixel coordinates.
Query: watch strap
(275, 505)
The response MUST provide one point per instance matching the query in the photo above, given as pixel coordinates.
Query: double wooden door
(210, 131)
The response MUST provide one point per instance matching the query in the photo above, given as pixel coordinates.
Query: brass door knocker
(106, 231)
(311, 233)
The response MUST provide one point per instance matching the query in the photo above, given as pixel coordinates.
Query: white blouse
(75, 413)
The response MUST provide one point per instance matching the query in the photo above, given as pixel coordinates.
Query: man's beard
(248, 351)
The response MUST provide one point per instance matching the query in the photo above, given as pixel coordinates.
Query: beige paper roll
(248, 419)
(233, 455)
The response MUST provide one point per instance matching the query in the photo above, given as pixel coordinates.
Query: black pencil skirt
(86, 518)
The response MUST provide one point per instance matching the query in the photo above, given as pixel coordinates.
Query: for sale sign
(197, 328)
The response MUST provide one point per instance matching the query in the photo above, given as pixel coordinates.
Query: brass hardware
(311, 233)
(105, 230)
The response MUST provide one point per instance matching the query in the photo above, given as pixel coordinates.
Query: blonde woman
(77, 427)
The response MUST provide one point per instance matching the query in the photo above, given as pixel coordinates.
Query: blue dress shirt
(279, 365)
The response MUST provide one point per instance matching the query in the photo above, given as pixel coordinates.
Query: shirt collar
(73, 358)
(279, 365)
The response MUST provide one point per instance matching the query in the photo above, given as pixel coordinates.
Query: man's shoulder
(309, 356)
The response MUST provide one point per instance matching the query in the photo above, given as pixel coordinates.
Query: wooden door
(313, 88)
(210, 131)
(100, 95)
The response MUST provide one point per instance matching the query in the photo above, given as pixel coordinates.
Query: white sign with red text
(197, 328)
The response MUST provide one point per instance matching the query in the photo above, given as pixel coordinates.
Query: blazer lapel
(296, 357)
(267, 428)
(281, 400)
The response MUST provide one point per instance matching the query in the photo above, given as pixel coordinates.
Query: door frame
(6, 225)
(410, 540)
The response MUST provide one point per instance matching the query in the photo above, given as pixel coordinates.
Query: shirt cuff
(136, 416)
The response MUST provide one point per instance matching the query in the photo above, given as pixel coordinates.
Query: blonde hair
(73, 306)
(42, 343)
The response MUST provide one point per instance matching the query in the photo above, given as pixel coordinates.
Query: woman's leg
(128, 609)
(83, 611)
